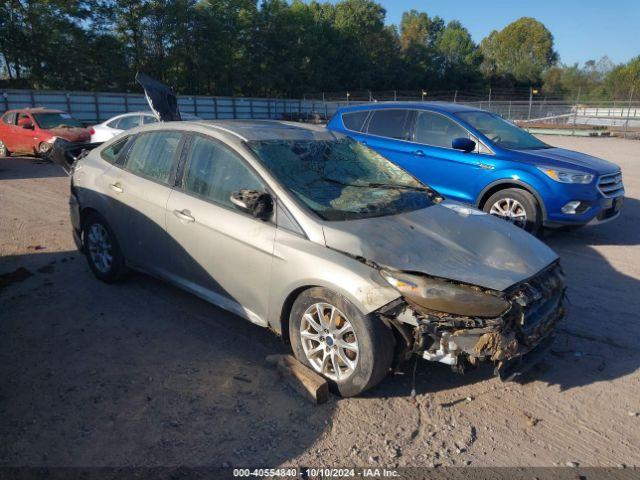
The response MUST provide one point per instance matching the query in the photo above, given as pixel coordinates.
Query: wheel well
(503, 186)
(286, 311)
(84, 213)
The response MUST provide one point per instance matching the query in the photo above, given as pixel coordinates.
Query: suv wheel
(3, 150)
(102, 250)
(516, 206)
(331, 336)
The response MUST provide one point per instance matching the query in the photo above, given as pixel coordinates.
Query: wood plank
(305, 381)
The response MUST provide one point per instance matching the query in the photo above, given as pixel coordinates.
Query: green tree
(520, 52)
(458, 56)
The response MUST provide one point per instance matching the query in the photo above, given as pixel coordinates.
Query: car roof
(256, 130)
(447, 107)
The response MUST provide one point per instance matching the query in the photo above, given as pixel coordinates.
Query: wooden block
(304, 380)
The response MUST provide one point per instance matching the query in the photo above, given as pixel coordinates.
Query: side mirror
(28, 126)
(258, 204)
(465, 144)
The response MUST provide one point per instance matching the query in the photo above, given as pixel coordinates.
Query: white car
(114, 126)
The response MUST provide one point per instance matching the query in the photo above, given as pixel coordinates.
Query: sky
(582, 30)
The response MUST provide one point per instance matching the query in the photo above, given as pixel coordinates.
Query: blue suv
(477, 157)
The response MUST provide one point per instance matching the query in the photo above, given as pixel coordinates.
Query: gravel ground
(144, 374)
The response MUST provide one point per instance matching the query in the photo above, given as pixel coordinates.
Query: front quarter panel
(299, 263)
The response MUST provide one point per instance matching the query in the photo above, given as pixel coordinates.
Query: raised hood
(161, 99)
(570, 158)
(446, 240)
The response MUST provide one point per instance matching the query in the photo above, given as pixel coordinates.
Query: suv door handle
(116, 187)
(419, 153)
(184, 215)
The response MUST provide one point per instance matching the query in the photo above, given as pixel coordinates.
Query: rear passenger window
(388, 123)
(355, 121)
(215, 172)
(125, 123)
(437, 130)
(152, 155)
(149, 119)
(110, 154)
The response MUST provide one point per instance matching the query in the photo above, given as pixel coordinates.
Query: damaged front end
(513, 328)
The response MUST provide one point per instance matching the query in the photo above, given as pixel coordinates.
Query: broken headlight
(446, 297)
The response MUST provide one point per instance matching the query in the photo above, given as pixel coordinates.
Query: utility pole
(530, 102)
(626, 124)
(455, 96)
(575, 113)
(489, 98)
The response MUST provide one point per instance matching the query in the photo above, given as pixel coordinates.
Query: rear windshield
(341, 179)
(47, 121)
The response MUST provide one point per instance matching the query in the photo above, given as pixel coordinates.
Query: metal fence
(95, 107)
(535, 111)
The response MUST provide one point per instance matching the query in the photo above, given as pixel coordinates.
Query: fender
(520, 183)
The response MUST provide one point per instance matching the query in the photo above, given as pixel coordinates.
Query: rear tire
(362, 367)
(43, 149)
(4, 151)
(516, 206)
(102, 250)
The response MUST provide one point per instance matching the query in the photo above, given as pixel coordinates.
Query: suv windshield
(500, 132)
(47, 121)
(342, 179)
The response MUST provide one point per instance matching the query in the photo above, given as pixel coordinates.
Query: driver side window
(214, 172)
(436, 130)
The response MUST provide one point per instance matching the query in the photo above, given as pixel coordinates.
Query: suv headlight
(566, 176)
(446, 297)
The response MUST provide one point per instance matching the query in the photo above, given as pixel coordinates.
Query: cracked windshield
(341, 179)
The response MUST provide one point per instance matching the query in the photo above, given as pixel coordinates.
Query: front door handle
(184, 215)
(116, 187)
(419, 153)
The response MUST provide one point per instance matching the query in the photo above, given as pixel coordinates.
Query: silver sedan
(352, 260)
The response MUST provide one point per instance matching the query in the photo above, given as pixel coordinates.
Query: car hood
(569, 158)
(70, 134)
(447, 240)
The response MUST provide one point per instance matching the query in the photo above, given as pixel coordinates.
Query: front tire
(4, 151)
(102, 250)
(330, 335)
(516, 206)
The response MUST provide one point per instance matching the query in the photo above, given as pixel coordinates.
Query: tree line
(280, 48)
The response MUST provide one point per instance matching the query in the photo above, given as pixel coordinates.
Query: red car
(33, 130)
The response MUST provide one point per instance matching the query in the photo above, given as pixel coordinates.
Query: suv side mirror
(28, 126)
(258, 204)
(465, 144)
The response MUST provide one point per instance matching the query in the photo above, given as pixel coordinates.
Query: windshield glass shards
(341, 179)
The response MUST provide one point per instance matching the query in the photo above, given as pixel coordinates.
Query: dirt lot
(144, 374)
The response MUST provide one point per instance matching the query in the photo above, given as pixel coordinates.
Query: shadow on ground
(139, 373)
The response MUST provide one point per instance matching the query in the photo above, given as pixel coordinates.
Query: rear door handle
(116, 187)
(184, 215)
(419, 153)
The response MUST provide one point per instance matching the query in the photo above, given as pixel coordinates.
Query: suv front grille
(611, 185)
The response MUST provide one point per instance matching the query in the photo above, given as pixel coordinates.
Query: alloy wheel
(510, 210)
(100, 247)
(329, 341)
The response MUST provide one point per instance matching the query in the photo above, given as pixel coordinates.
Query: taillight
(92, 131)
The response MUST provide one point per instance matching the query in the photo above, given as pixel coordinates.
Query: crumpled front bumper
(513, 342)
